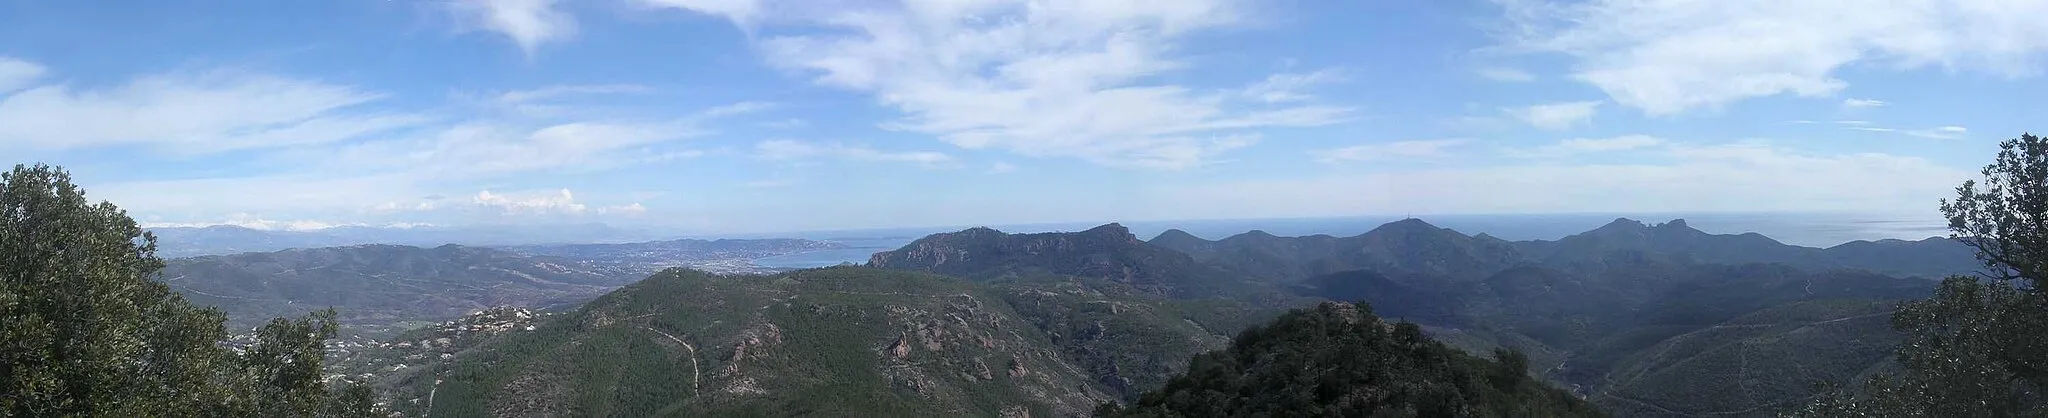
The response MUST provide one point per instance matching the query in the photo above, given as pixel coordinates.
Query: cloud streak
(528, 23)
(195, 113)
(1671, 56)
(1428, 149)
(1557, 116)
(1043, 79)
(783, 149)
(1751, 177)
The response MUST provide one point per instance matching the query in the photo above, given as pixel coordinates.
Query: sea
(1803, 229)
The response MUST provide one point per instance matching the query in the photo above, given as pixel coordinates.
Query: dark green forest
(1340, 359)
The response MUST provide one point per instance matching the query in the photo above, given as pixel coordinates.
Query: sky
(781, 115)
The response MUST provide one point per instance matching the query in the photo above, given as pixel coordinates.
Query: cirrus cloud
(1670, 56)
(1045, 79)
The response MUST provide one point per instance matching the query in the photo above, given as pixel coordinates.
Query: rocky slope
(835, 342)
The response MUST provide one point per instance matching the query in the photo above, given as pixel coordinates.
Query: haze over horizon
(759, 115)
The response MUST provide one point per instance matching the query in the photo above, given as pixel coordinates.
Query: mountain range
(1414, 246)
(1619, 315)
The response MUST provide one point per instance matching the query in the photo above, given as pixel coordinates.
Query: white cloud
(1050, 79)
(1862, 103)
(494, 147)
(783, 149)
(194, 113)
(1557, 116)
(246, 220)
(16, 74)
(1943, 132)
(1289, 87)
(262, 196)
(1749, 177)
(1670, 56)
(422, 206)
(768, 184)
(741, 12)
(1505, 74)
(1402, 150)
(1576, 146)
(560, 201)
(528, 23)
(554, 92)
(1852, 122)
(791, 123)
(734, 109)
(627, 209)
(554, 203)
(1001, 167)
(485, 148)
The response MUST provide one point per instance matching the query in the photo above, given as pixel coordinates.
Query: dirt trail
(695, 371)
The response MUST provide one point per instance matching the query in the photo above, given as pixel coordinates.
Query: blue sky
(766, 115)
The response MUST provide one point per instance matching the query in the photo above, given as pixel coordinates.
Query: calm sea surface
(1805, 229)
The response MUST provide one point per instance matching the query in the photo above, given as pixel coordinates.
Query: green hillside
(834, 342)
(1108, 252)
(1338, 359)
(1753, 365)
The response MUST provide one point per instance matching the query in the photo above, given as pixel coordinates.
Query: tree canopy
(1976, 348)
(86, 331)
(1340, 359)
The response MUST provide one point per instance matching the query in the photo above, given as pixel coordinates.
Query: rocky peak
(1112, 231)
(1674, 224)
(1624, 225)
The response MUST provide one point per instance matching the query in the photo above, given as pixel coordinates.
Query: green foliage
(1341, 360)
(85, 332)
(841, 341)
(1751, 365)
(1125, 342)
(1976, 348)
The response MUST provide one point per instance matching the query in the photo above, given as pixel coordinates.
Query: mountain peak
(1112, 231)
(1625, 223)
(1108, 227)
(1175, 235)
(1404, 225)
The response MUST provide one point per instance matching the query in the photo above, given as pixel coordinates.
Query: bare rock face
(899, 349)
(981, 371)
(755, 339)
(933, 335)
(1017, 368)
